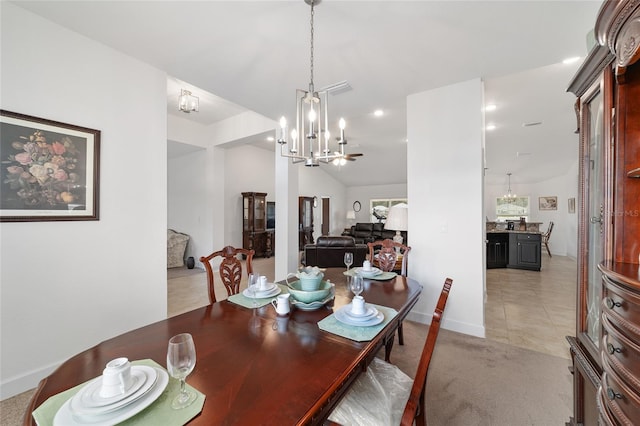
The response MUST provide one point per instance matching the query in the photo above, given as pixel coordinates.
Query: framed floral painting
(50, 170)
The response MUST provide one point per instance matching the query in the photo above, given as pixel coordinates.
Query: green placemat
(357, 333)
(159, 412)
(383, 276)
(247, 302)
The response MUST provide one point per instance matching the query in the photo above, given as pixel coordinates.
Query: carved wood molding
(618, 28)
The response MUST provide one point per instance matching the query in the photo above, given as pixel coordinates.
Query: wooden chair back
(546, 236)
(383, 254)
(230, 269)
(414, 409)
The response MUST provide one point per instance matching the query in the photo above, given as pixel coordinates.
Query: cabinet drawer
(622, 308)
(528, 237)
(619, 398)
(622, 354)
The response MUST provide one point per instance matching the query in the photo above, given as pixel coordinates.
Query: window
(380, 208)
(512, 209)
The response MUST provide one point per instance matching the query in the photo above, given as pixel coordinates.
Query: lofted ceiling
(238, 55)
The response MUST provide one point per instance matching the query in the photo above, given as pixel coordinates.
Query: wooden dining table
(253, 366)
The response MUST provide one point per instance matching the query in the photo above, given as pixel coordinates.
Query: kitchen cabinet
(525, 251)
(604, 350)
(514, 249)
(497, 250)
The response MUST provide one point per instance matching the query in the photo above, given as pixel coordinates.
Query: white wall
(364, 194)
(247, 169)
(444, 157)
(66, 286)
(186, 190)
(563, 241)
(315, 182)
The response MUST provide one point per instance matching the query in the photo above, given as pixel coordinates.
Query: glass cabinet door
(594, 224)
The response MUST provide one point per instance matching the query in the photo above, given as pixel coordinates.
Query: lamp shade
(397, 219)
(351, 215)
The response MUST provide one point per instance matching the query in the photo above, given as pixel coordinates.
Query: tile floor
(533, 310)
(528, 309)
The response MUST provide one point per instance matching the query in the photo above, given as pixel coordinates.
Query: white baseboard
(25, 382)
(459, 327)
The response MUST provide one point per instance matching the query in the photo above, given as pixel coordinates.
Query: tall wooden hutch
(606, 348)
(255, 235)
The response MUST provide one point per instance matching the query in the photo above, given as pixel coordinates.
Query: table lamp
(397, 221)
(351, 215)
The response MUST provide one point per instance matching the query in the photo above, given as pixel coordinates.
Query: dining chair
(230, 269)
(546, 236)
(384, 386)
(383, 254)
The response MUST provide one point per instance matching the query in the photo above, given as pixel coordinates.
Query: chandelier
(310, 137)
(509, 195)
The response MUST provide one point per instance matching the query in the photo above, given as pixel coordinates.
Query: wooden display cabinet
(255, 235)
(606, 379)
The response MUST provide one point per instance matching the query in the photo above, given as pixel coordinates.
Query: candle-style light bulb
(283, 130)
(312, 118)
(342, 125)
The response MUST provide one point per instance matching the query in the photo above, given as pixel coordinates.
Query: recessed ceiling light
(490, 127)
(270, 139)
(571, 60)
(378, 113)
(490, 107)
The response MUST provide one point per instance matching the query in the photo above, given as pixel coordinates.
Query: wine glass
(181, 359)
(356, 285)
(348, 259)
(252, 288)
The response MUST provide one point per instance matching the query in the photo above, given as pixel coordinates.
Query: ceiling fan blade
(359, 154)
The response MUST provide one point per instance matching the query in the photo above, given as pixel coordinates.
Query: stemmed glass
(356, 285)
(252, 287)
(181, 359)
(348, 259)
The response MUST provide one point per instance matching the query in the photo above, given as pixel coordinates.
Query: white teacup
(357, 305)
(281, 303)
(366, 265)
(116, 378)
(262, 283)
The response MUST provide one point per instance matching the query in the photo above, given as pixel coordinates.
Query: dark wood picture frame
(50, 170)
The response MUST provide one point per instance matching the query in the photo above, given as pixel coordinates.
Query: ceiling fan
(348, 157)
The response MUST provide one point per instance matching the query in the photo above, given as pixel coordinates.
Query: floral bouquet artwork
(47, 171)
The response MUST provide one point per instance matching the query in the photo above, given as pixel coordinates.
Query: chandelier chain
(312, 13)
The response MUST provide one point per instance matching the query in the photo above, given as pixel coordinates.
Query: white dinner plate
(372, 273)
(64, 417)
(90, 394)
(369, 312)
(346, 319)
(88, 401)
(262, 294)
(312, 306)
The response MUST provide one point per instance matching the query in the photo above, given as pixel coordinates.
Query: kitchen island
(514, 249)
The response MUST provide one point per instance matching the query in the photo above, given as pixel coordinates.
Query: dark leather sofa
(329, 252)
(368, 232)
